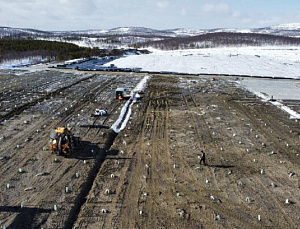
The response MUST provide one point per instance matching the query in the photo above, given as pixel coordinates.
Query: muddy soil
(150, 177)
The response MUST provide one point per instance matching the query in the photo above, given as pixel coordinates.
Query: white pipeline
(125, 114)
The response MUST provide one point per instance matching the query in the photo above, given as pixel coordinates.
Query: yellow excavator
(62, 141)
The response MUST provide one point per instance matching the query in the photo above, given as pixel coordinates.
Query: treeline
(13, 49)
(221, 39)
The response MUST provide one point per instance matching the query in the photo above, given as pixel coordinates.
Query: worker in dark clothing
(202, 158)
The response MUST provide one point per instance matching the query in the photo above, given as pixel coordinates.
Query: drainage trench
(81, 199)
(87, 185)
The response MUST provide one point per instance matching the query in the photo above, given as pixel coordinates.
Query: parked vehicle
(99, 112)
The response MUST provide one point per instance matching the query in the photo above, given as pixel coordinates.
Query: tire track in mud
(128, 191)
(141, 172)
(272, 124)
(217, 149)
(193, 181)
(195, 187)
(160, 186)
(259, 128)
(290, 222)
(196, 123)
(246, 113)
(134, 174)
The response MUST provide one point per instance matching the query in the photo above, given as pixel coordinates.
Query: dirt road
(150, 177)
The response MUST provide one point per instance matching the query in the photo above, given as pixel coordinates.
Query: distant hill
(125, 37)
(291, 30)
(288, 30)
(221, 39)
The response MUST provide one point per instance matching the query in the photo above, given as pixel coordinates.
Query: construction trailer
(122, 93)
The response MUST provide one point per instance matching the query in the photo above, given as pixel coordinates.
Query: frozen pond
(280, 89)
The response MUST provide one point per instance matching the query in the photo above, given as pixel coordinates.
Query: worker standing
(202, 159)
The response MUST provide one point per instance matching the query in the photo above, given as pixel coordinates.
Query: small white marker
(103, 210)
(272, 184)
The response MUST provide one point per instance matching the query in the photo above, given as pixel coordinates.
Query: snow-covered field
(253, 61)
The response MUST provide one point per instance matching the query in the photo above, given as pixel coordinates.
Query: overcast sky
(61, 15)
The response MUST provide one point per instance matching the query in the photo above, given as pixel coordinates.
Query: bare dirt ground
(150, 177)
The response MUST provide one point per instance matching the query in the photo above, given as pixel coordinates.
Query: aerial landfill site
(122, 150)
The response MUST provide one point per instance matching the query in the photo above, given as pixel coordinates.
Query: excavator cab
(62, 141)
